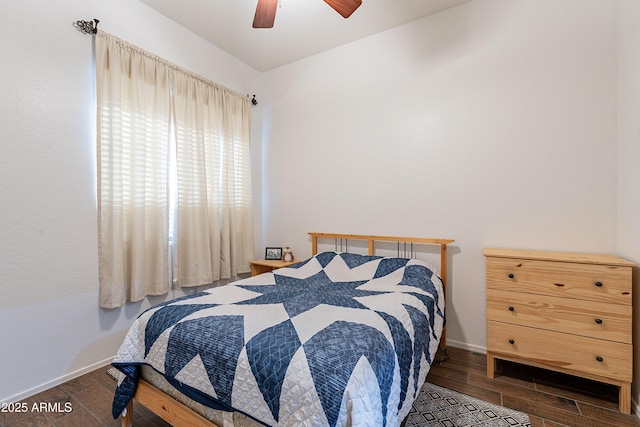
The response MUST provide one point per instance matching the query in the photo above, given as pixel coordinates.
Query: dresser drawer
(593, 282)
(571, 352)
(592, 319)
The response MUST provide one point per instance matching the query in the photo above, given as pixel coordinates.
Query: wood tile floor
(551, 400)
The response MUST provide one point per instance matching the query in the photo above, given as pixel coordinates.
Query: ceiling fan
(266, 10)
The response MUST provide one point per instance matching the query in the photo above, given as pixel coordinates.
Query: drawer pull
(511, 275)
(512, 341)
(599, 321)
(599, 358)
(599, 284)
(512, 308)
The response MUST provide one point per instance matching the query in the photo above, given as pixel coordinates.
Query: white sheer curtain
(140, 99)
(133, 95)
(215, 215)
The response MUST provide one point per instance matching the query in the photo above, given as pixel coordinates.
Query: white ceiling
(302, 27)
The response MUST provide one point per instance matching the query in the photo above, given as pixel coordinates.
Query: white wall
(492, 123)
(629, 153)
(52, 327)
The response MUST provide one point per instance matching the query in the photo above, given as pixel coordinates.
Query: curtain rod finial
(87, 27)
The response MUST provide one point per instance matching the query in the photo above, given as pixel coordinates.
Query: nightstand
(260, 266)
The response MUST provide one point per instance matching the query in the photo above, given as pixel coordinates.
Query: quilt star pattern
(340, 339)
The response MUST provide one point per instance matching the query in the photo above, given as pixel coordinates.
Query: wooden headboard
(371, 251)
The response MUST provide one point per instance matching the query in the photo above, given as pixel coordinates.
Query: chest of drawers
(568, 312)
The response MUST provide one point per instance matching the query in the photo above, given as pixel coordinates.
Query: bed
(338, 339)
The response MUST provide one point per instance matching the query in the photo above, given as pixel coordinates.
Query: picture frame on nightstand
(273, 253)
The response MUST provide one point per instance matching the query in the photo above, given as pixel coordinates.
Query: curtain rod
(91, 27)
(87, 27)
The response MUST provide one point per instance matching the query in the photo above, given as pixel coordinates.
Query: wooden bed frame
(177, 414)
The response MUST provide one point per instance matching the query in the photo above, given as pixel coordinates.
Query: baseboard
(466, 346)
(68, 377)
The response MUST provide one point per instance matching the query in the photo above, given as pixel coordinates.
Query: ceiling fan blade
(265, 14)
(344, 7)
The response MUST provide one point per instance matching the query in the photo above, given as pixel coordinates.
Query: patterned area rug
(440, 407)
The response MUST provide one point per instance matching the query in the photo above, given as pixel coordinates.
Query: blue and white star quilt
(338, 340)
